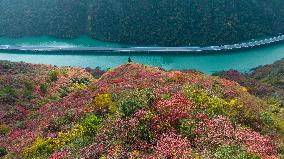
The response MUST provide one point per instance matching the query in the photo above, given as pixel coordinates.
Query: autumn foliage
(132, 111)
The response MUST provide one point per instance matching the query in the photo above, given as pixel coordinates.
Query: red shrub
(171, 145)
(214, 132)
(59, 155)
(178, 107)
(92, 151)
(255, 142)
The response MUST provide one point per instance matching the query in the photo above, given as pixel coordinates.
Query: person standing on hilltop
(129, 60)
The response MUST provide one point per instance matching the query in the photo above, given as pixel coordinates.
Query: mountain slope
(266, 81)
(132, 111)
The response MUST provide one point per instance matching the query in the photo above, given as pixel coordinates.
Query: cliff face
(132, 111)
(167, 22)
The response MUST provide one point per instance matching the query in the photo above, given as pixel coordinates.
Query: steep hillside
(167, 22)
(266, 81)
(184, 22)
(132, 111)
(58, 18)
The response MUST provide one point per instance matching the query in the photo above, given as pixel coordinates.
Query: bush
(8, 94)
(10, 113)
(278, 123)
(129, 107)
(41, 148)
(54, 75)
(102, 101)
(266, 119)
(165, 96)
(7, 65)
(91, 124)
(84, 81)
(64, 91)
(56, 123)
(135, 100)
(44, 87)
(19, 124)
(3, 151)
(171, 145)
(145, 132)
(33, 115)
(233, 152)
(213, 106)
(28, 90)
(174, 109)
(187, 127)
(81, 141)
(4, 129)
(66, 138)
(54, 97)
(77, 86)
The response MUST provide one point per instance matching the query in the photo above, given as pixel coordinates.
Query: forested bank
(168, 23)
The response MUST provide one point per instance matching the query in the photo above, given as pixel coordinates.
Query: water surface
(242, 60)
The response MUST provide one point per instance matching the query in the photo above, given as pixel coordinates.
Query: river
(242, 60)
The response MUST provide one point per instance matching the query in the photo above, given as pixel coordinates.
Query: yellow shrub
(134, 154)
(244, 89)
(65, 138)
(93, 87)
(77, 86)
(212, 104)
(233, 107)
(279, 124)
(40, 148)
(103, 157)
(102, 100)
(113, 109)
(148, 116)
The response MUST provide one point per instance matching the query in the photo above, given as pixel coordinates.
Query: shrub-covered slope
(166, 22)
(264, 81)
(132, 111)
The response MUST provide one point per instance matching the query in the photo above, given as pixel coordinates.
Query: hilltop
(132, 111)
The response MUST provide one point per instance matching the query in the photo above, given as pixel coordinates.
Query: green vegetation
(233, 152)
(43, 87)
(91, 124)
(178, 23)
(54, 75)
(4, 129)
(7, 94)
(134, 100)
(3, 151)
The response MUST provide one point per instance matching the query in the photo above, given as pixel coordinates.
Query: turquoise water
(208, 63)
(83, 41)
